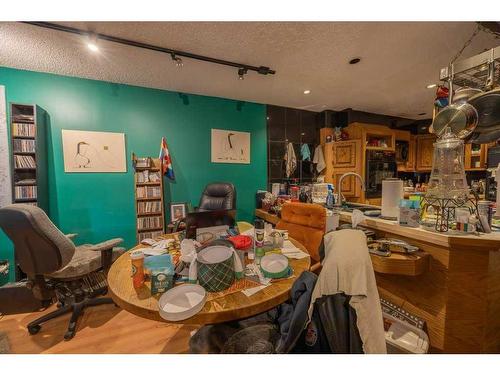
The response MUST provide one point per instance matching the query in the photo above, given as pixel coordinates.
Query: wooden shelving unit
(28, 133)
(148, 193)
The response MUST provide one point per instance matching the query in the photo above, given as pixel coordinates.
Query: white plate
(182, 302)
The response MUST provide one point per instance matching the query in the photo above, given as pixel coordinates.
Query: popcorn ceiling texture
(398, 59)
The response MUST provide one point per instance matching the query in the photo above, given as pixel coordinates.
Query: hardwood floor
(101, 329)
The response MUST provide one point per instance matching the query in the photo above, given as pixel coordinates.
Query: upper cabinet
(342, 157)
(373, 137)
(425, 151)
(345, 154)
(475, 157)
(405, 151)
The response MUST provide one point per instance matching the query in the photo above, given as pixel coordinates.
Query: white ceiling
(398, 59)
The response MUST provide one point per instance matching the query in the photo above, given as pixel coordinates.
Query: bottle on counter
(330, 201)
(137, 259)
(259, 232)
(259, 253)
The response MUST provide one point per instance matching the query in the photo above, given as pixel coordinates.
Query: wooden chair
(306, 223)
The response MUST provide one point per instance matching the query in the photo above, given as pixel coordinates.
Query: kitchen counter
(481, 241)
(456, 291)
(458, 296)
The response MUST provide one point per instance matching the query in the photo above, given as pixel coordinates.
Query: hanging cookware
(488, 108)
(460, 118)
(462, 95)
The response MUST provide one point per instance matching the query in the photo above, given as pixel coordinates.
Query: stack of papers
(291, 251)
(251, 291)
(151, 251)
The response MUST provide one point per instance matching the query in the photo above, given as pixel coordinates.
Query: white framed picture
(89, 151)
(230, 146)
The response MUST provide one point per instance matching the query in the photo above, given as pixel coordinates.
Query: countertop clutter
(203, 301)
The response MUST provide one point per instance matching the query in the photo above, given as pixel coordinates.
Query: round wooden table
(230, 307)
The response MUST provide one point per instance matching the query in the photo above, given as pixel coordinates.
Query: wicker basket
(215, 268)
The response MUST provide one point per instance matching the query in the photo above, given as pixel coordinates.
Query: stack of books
(144, 235)
(24, 161)
(25, 192)
(148, 192)
(23, 130)
(149, 207)
(149, 222)
(24, 145)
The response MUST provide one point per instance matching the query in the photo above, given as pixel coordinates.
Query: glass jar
(447, 180)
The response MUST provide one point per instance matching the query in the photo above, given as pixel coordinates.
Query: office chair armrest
(106, 249)
(71, 235)
(106, 245)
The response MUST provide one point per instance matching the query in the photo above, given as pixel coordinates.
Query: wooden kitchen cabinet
(342, 157)
(346, 154)
(350, 184)
(425, 151)
(475, 157)
(412, 155)
(405, 137)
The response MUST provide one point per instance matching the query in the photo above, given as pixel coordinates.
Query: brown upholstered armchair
(305, 223)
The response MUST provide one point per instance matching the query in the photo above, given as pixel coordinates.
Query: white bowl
(274, 265)
(182, 302)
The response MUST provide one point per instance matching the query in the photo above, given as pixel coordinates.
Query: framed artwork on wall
(178, 211)
(89, 151)
(230, 146)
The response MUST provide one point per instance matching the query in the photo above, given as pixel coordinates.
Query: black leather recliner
(218, 196)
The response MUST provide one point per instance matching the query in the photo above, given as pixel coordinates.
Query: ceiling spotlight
(307, 92)
(92, 47)
(354, 61)
(241, 73)
(92, 43)
(177, 60)
(431, 86)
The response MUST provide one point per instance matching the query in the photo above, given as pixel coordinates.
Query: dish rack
(473, 72)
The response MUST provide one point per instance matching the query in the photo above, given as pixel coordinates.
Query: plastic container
(137, 260)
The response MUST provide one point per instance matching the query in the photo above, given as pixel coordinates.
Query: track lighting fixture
(175, 54)
(177, 60)
(241, 73)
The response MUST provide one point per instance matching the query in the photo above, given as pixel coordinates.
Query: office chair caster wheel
(69, 335)
(33, 330)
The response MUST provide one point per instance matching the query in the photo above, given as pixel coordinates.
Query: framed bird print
(88, 152)
(230, 146)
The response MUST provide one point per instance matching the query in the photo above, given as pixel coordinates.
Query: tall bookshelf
(149, 205)
(28, 132)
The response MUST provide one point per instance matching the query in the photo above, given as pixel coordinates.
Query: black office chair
(56, 269)
(218, 196)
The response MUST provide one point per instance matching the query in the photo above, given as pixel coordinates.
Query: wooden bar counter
(457, 293)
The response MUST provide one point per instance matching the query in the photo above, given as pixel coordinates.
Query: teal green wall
(101, 205)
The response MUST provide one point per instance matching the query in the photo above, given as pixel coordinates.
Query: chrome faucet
(339, 200)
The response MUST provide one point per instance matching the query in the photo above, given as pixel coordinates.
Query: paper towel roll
(392, 193)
